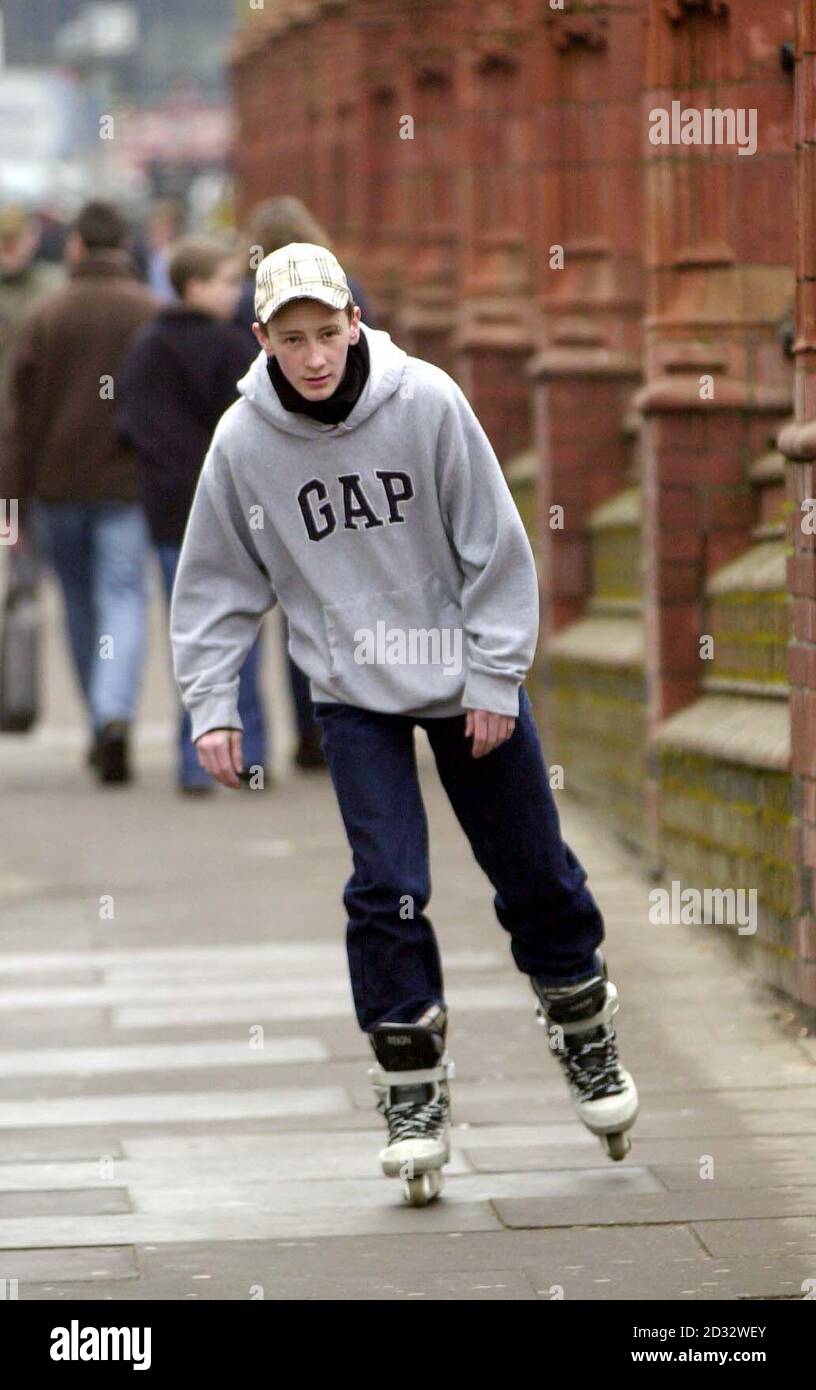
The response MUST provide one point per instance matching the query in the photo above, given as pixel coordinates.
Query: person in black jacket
(178, 378)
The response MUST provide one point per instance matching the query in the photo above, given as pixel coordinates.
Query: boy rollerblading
(391, 540)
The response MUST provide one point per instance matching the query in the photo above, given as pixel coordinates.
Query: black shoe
(309, 755)
(112, 762)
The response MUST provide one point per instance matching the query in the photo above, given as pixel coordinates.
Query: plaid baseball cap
(300, 270)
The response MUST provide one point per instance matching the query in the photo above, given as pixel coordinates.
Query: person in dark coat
(179, 377)
(61, 452)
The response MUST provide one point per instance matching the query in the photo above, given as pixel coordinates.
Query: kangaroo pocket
(397, 650)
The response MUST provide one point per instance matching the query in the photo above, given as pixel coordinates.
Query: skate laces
(592, 1064)
(414, 1119)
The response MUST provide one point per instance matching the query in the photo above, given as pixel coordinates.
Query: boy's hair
(349, 310)
(196, 258)
(101, 227)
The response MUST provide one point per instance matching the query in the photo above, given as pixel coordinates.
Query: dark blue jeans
(505, 806)
(250, 700)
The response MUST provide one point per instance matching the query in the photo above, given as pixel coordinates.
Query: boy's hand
(219, 753)
(487, 730)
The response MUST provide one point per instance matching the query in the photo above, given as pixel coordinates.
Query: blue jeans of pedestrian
(250, 700)
(99, 551)
(506, 808)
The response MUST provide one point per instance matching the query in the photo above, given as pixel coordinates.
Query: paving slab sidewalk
(184, 1106)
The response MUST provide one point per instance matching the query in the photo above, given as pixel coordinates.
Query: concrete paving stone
(797, 1172)
(136, 960)
(386, 1218)
(172, 1106)
(692, 1281)
(292, 1147)
(419, 1248)
(785, 1235)
(175, 1056)
(728, 1155)
(16, 1026)
(239, 988)
(57, 1145)
(471, 1265)
(213, 1171)
(686, 1207)
(256, 1076)
(476, 1286)
(273, 1192)
(41, 979)
(94, 1266)
(87, 1201)
(724, 1122)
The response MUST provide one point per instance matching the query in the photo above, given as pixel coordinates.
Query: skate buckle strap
(445, 1071)
(604, 1015)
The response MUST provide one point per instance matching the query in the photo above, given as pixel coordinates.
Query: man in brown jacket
(62, 449)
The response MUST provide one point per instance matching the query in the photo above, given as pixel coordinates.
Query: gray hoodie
(390, 539)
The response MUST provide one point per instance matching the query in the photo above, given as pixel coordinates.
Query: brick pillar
(383, 174)
(586, 234)
(798, 443)
(495, 337)
(427, 316)
(256, 76)
(719, 245)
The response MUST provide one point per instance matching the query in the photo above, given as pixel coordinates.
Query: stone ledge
(768, 468)
(798, 442)
(762, 569)
(621, 512)
(735, 685)
(732, 729)
(604, 606)
(600, 641)
(522, 468)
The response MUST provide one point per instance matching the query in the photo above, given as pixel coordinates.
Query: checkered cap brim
(299, 271)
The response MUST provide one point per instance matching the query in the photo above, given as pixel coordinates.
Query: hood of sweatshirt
(387, 365)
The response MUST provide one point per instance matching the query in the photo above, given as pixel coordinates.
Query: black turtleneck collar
(341, 402)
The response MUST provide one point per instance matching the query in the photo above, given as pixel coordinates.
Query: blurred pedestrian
(179, 376)
(24, 278)
(275, 223)
(63, 450)
(165, 224)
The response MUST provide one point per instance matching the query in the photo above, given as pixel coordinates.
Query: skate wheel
(419, 1191)
(617, 1145)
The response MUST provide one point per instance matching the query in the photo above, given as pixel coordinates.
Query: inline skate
(411, 1085)
(580, 1033)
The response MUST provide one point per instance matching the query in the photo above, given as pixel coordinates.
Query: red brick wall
(799, 443)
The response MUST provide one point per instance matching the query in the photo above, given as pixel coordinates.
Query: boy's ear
(262, 338)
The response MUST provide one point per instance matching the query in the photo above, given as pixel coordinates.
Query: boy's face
(219, 295)
(311, 343)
